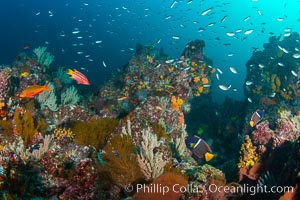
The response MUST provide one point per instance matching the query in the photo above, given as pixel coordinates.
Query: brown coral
(121, 161)
(27, 127)
(170, 181)
(94, 133)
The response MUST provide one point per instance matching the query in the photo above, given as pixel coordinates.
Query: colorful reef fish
(33, 90)
(78, 76)
(256, 117)
(199, 147)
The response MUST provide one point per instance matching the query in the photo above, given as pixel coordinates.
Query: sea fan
(267, 179)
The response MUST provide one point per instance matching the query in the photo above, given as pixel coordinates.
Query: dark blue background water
(120, 24)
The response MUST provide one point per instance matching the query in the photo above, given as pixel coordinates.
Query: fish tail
(46, 86)
(70, 72)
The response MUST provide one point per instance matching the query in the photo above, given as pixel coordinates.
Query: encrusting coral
(95, 154)
(176, 103)
(63, 134)
(248, 155)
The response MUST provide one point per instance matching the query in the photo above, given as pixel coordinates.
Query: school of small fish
(90, 35)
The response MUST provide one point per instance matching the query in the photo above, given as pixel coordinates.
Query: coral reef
(277, 70)
(272, 84)
(74, 143)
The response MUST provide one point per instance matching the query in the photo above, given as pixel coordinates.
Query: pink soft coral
(262, 134)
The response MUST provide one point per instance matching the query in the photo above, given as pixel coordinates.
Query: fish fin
(208, 156)
(251, 123)
(46, 86)
(260, 113)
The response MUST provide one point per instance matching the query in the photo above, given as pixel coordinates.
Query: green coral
(248, 155)
(63, 76)
(43, 57)
(95, 132)
(47, 98)
(70, 97)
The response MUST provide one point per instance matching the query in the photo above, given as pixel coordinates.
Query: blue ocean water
(90, 34)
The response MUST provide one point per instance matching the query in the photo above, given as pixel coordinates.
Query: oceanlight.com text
(228, 190)
(247, 189)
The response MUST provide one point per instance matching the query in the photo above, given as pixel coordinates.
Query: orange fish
(78, 76)
(33, 90)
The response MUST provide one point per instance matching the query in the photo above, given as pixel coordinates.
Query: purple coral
(82, 185)
(262, 134)
(285, 129)
(4, 76)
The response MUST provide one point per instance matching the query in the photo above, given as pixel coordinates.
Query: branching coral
(152, 164)
(43, 58)
(70, 97)
(63, 76)
(48, 143)
(47, 98)
(180, 142)
(25, 154)
(121, 161)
